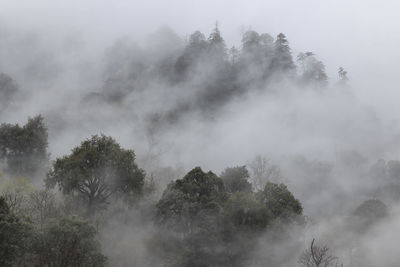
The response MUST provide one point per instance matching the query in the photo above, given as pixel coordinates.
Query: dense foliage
(205, 219)
(246, 216)
(96, 170)
(24, 149)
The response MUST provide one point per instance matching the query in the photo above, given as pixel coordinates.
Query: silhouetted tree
(96, 170)
(282, 61)
(318, 256)
(217, 44)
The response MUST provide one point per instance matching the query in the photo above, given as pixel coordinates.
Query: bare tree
(42, 205)
(15, 200)
(318, 256)
(262, 171)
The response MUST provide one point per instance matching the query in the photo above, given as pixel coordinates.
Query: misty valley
(184, 151)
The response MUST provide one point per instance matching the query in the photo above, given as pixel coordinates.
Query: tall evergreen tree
(217, 48)
(282, 61)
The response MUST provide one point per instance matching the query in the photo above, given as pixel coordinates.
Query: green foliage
(24, 149)
(68, 242)
(96, 170)
(245, 212)
(15, 234)
(187, 202)
(242, 221)
(236, 179)
(280, 202)
(45, 240)
(188, 212)
(204, 226)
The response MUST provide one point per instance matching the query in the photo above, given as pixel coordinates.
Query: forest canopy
(126, 195)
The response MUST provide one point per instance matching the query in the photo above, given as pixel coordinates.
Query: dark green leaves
(96, 170)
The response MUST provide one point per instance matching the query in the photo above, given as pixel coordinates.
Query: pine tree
(282, 61)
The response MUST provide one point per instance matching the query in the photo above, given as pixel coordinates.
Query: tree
(233, 55)
(318, 256)
(236, 179)
(242, 221)
(257, 44)
(42, 207)
(342, 76)
(282, 61)
(216, 44)
(312, 70)
(245, 212)
(266, 40)
(8, 88)
(253, 55)
(194, 50)
(369, 213)
(96, 170)
(188, 212)
(280, 202)
(68, 242)
(186, 203)
(250, 41)
(24, 149)
(256, 58)
(262, 171)
(15, 234)
(15, 193)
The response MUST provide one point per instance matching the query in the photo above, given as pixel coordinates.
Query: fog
(112, 67)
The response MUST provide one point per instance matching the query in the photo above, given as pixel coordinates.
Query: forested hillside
(187, 151)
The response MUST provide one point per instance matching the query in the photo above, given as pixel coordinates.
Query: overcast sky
(361, 35)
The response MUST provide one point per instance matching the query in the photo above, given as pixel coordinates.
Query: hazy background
(68, 39)
(360, 35)
(56, 51)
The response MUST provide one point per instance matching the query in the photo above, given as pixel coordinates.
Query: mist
(183, 84)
